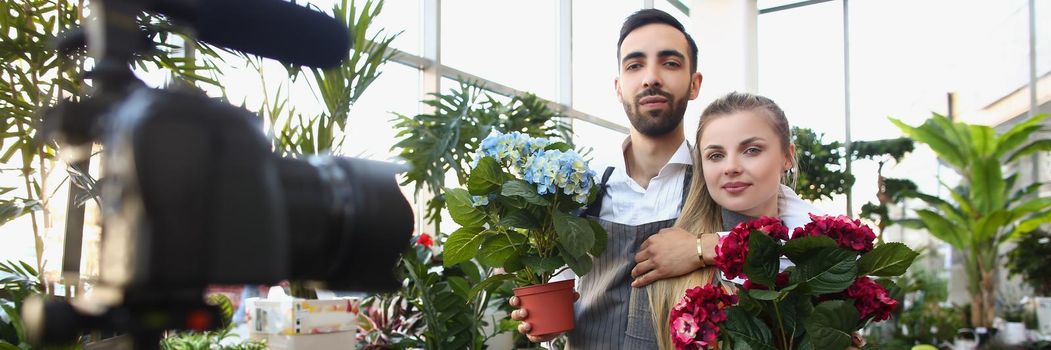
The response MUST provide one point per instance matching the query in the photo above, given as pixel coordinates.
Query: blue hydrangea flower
(549, 170)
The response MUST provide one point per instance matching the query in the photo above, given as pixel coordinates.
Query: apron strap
(686, 186)
(596, 207)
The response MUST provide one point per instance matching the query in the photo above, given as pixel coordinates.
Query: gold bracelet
(700, 252)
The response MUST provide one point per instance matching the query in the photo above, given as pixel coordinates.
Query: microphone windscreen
(274, 29)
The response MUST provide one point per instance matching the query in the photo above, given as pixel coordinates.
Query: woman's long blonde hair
(701, 214)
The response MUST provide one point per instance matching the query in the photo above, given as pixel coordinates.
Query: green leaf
(601, 238)
(1036, 146)
(829, 270)
(988, 190)
(936, 138)
(1031, 224)
(831, 324)
(513, 264)
(489, 284)
(580, 265)
(561, 146)
(462, 245)
(887, 260)
(748, 304)
(744, 328)
(794, 309)
(763, 294)
(520, 219)
(497, 248)
(1019, 133)
(459, 286)
(519, 188)
(543, 265)
(461, 208)
(763, 261)
(944, 230)
(797, 249)
(574, 233)
(486, 177)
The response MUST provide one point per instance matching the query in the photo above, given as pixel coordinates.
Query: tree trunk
(983, 295)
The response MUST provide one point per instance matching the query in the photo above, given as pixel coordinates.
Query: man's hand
(520, 314)
(672, 252)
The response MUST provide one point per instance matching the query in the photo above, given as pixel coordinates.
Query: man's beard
(656, 122)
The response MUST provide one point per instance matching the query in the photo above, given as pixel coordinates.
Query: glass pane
(801, 68)
(513, 43)
(369, 131)
(396, 16)
(604, 144)
(765, 4)
(596, 27)
(400, 16)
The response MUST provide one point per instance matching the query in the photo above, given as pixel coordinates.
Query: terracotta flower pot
(550, 306)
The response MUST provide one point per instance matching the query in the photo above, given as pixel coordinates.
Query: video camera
(192, 193)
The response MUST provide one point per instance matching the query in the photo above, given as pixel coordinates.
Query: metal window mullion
(431, 67)
(565, 55)
(846, 102)
(430, 81)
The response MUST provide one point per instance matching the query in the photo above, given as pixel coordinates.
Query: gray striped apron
(602, 315)
(640, 333)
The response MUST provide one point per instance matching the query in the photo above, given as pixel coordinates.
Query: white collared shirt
(628, 203)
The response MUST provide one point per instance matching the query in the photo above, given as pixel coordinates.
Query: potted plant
(517, 214)
(986, 210)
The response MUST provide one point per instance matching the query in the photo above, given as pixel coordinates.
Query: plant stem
(780, 324)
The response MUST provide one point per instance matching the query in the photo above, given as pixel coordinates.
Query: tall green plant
(985, 211)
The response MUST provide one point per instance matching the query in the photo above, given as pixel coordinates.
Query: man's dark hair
(651, 16)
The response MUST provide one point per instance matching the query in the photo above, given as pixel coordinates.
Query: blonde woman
(744, 156)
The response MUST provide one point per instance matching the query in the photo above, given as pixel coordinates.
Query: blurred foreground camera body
(192, 194)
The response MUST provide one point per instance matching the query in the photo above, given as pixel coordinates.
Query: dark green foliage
(878, 149)
(1031, 259)
(821, 169)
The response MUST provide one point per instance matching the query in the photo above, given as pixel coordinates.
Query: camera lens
(348, 221)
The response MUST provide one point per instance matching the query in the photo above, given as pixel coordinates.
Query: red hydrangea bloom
(848, 234)
(695, 319)
(425, 240)
(732, 250)
(871, 299)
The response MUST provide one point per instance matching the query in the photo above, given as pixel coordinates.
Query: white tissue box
(299, 316)
(323, 341)
(1043, 314)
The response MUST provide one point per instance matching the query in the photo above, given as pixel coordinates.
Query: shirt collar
(681, 155)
